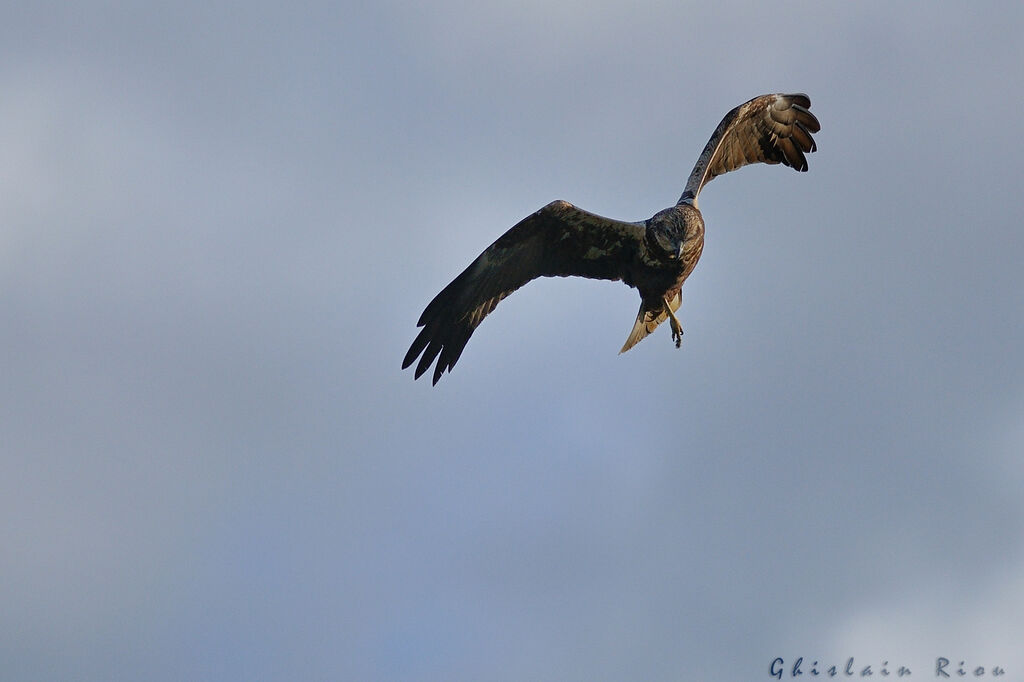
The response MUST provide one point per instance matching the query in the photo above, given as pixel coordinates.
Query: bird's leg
(677, 329)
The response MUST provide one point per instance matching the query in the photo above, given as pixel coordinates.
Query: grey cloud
(221, 223)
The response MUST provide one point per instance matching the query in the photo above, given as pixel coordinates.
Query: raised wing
(559, 240)
(767, 129)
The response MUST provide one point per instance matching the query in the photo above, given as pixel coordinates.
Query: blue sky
(220, 222)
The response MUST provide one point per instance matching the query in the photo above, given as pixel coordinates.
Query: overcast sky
(220, 222)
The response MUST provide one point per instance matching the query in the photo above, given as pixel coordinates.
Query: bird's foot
(677, 335)
(673, 321)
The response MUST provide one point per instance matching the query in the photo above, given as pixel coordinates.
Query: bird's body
(654, 256)
(673, 242)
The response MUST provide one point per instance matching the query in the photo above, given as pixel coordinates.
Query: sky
(219, 223)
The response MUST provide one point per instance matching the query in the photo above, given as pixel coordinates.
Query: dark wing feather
(767, 129)
(558, 240)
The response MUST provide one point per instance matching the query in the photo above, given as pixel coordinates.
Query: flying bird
(655, 255)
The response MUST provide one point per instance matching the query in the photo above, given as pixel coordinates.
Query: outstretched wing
(558, 240)
(767, 129)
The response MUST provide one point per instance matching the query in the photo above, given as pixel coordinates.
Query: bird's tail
(648, 319)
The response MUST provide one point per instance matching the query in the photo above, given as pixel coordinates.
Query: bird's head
(667, 246)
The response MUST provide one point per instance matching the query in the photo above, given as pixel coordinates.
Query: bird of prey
(655, 256)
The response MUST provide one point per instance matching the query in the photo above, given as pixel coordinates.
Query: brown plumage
(655, 256)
